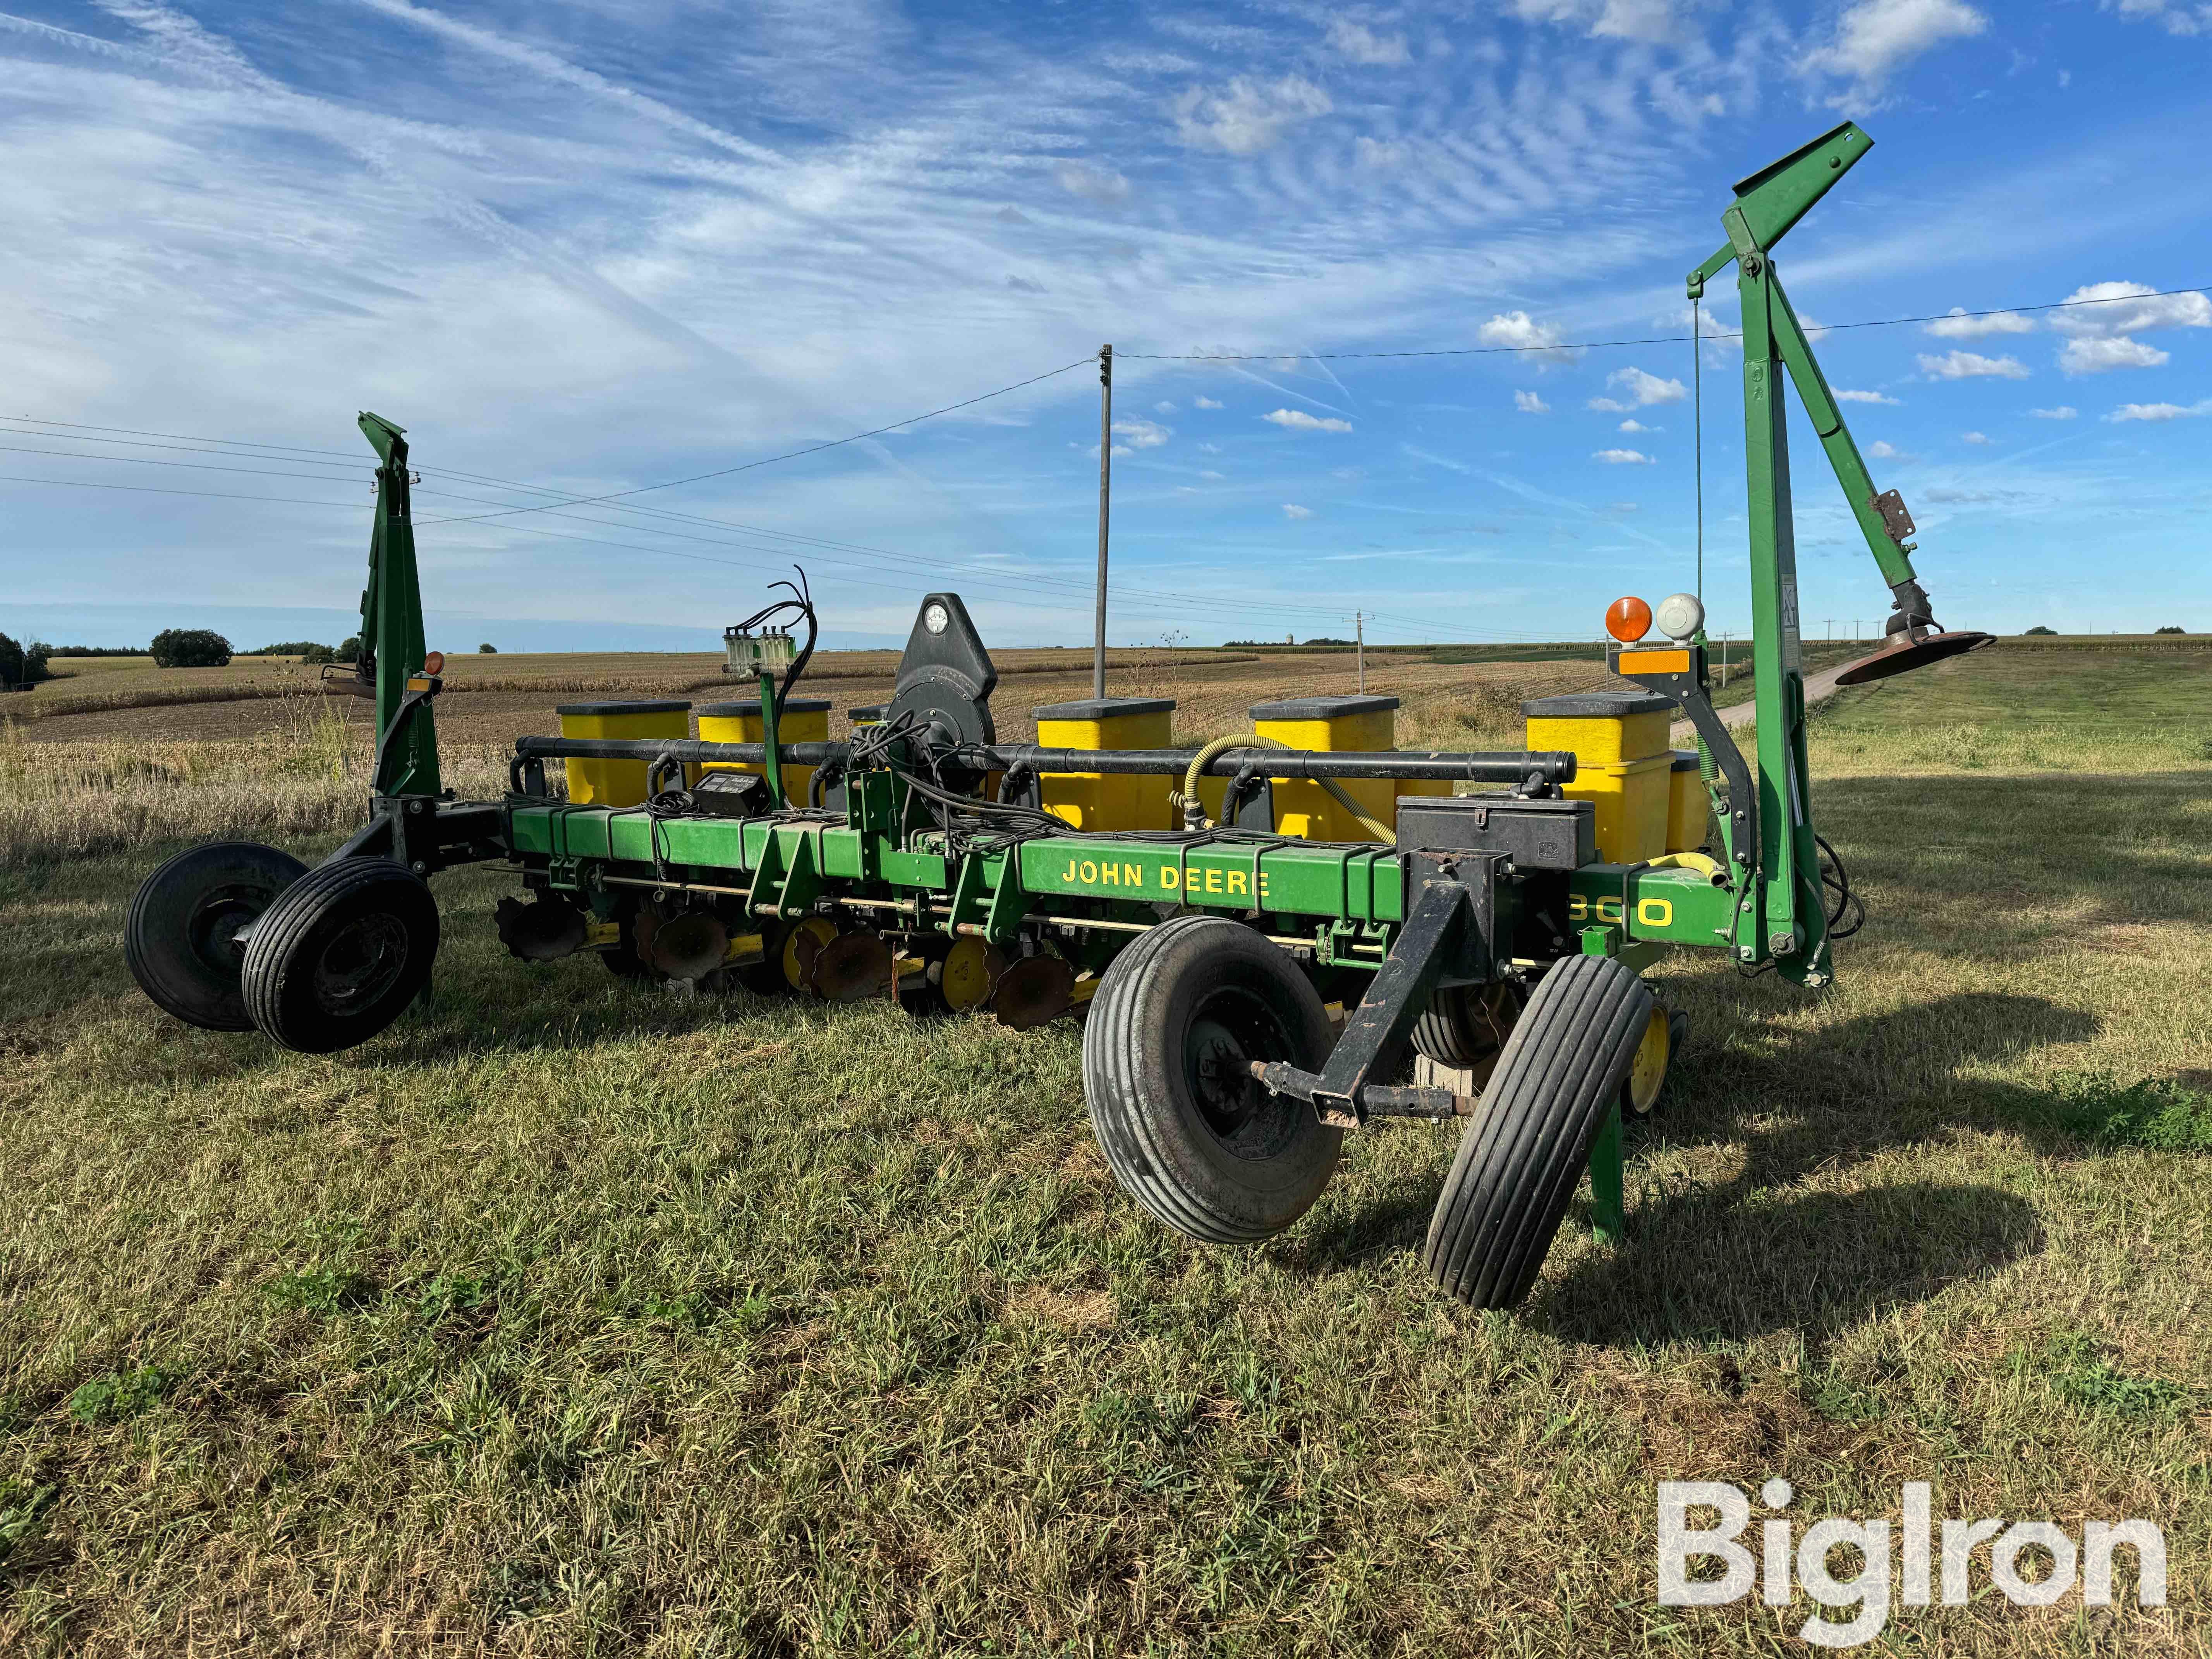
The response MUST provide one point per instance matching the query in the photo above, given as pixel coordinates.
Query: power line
(235, 443)
(151, 489)
(789, 455)
(1044, 584)
(147, 460)
(1654, 339)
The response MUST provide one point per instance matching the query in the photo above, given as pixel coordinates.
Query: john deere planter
(1262, 930)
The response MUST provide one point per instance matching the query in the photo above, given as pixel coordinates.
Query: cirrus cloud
(1292, 510)
(1246, 116)
(1621, 456)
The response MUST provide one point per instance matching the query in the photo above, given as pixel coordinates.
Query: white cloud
(1637, 426)
(2063, 412)
(1207, 473)
(1247, 116)
(2175, 17)
(2102, 310)
(1971, 366)
(1517, 328)
(1624, 20)
(1142, 434)
(1204, 403)
(1292, 510)
(2100, 356)
(1298, 421)
(1164, 407)
(1363, 46)
(2159, 411)
(1960, 327)
(1874, 37)
(1882, 450)
(1621, 456)
(1975, 437)
(1843, 397)
(1379, 152)
(1642, 391)
(1529, 404)
(1101, 185)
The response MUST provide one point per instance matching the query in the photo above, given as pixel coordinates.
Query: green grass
(570, 1317)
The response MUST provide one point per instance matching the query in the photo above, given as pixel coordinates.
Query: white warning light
(1679, 615)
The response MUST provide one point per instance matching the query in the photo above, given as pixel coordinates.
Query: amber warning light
(434, 663)
(1628, 620)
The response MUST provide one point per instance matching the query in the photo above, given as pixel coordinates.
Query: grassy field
(569, 1317)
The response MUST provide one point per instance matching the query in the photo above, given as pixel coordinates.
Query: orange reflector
(1628, 620)
(1654, 662)
(434, 663)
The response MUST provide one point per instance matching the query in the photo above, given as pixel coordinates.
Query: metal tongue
(1908, 651)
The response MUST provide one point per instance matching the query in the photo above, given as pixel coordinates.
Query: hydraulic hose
(1187, 797)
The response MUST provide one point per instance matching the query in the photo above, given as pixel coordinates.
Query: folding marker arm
(1768, 203)
(391, 635)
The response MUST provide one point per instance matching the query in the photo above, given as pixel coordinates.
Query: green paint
(392, 621)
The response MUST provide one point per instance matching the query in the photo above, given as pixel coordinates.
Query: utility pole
(1854, 630)
(1105, 495)
(1359, 638)
(1828, 627)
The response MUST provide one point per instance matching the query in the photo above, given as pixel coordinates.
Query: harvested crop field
(570, 1317)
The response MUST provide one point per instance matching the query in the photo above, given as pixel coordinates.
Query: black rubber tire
(1456, 1028)
(340, 955)
(1520, 1159)
(1262, 1160)
(176, 935)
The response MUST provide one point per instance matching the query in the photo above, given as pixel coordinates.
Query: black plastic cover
(1536, 834)
(957, 653)
(1321, 708)
(1594, 706)
(731, 795)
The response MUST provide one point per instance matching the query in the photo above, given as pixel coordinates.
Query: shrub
(488, 651)
(305, 650)
(2169, 630)
(348, 649)
(2048, 633)
(20, 667)
(190, 647)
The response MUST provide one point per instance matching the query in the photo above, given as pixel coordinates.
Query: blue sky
(590, 247)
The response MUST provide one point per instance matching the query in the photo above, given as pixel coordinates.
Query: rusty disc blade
(1906, 655)
(1034, 990)
(688, 946)
(852, 967)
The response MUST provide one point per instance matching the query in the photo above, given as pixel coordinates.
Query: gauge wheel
(182, 935)
(1559, 1076)
(340, 954)
(1187, 1129)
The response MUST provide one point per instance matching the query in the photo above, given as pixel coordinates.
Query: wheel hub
(360, 963)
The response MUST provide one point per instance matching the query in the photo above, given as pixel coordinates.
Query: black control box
(1536, 834)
